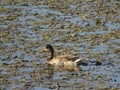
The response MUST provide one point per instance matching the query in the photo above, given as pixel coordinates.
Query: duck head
(50, 50)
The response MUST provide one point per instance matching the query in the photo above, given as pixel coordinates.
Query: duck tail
(81, 61)
(78, 60)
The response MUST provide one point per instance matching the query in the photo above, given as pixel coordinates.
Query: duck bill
(45, 50)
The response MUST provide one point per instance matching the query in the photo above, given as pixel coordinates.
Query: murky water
(85, 28)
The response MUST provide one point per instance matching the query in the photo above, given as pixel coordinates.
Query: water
(72, 29)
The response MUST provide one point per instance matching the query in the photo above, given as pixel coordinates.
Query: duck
(60, 60)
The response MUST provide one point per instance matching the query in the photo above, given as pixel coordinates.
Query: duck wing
(67, 57)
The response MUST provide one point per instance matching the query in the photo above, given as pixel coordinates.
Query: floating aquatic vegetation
(89, 29)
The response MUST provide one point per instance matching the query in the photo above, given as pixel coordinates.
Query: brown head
(49, 48)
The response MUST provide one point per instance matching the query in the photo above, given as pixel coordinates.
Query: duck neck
(51, 54)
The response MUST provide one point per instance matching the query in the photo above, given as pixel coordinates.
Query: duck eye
(48, 46)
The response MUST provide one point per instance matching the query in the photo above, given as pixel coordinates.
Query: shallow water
(88, 29)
